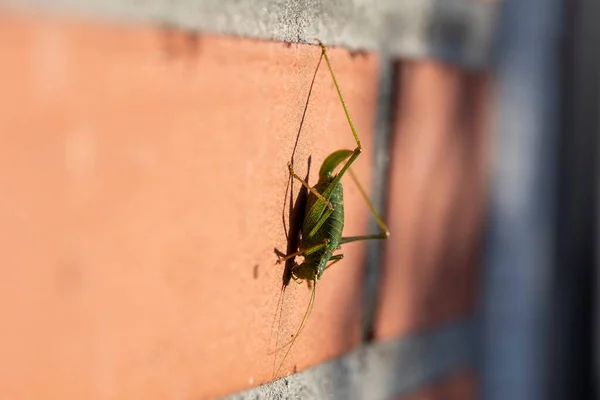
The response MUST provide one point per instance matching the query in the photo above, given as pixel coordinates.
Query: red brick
(437, 198)
(142, 178)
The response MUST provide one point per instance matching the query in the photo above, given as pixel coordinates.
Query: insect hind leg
(352, 157)
(339, 92)
(385, 232)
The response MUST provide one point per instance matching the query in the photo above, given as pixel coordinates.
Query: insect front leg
(304, 252)
(334, 259)
(306, 185)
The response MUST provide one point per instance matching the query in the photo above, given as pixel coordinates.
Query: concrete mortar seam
(455, 31)
(381, 370)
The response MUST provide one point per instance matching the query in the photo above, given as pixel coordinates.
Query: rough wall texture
(143, 179)
(458, 31)
(143, 191)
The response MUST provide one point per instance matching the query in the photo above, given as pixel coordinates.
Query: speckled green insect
(324, 214)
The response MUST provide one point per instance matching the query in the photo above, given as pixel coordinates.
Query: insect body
(321, 233)
(322, 228)
(323, 224)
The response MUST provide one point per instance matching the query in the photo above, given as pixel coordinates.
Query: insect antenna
(290, 184)
(290, 344)
(277, 317)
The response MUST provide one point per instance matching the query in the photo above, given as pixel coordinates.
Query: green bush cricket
(323, 224)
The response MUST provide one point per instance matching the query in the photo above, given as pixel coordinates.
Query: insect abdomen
(331, 229)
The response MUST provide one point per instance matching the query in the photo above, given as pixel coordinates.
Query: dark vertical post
(521, 254)
(573, 318)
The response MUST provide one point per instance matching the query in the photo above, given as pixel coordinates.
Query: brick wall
(143, 177)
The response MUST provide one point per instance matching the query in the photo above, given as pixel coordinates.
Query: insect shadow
(296, 218)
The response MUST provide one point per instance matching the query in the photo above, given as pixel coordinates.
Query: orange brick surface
(437, 198)
(142, 180)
